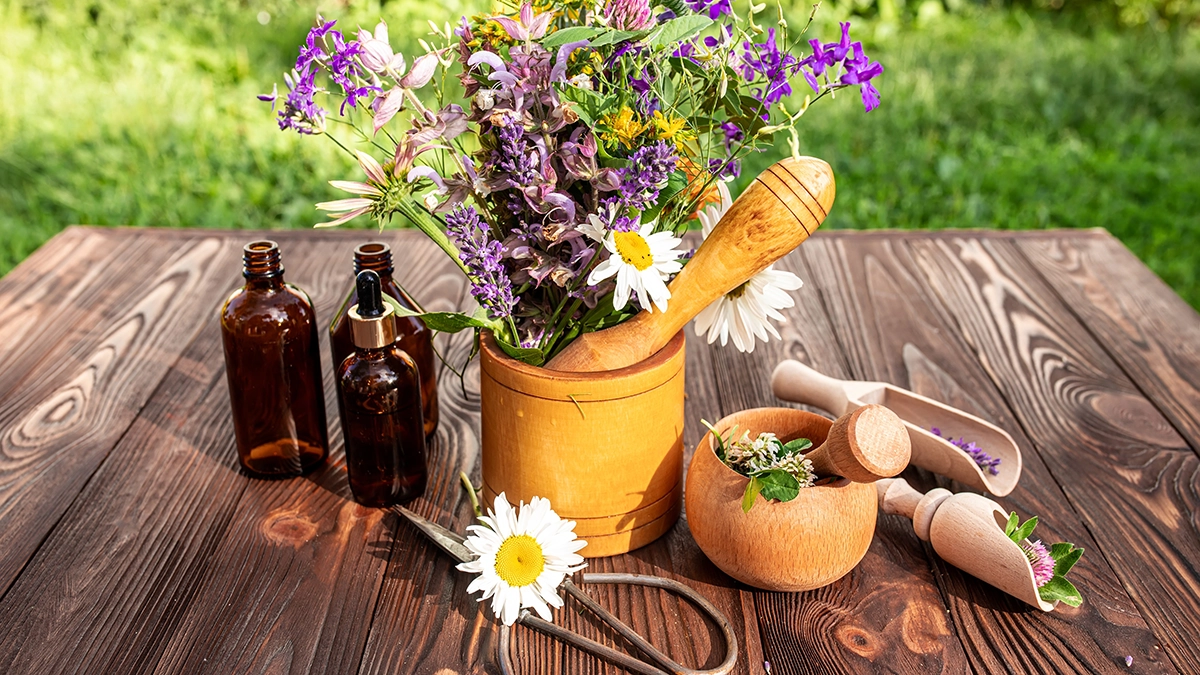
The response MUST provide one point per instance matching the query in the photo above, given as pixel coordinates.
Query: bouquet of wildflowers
(558, 152)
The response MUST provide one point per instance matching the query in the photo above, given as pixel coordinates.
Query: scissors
(453, 544)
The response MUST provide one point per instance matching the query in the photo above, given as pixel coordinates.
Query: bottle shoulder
(254, 309)
(387, 367)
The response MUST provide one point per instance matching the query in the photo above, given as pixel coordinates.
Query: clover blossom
(490, 286)
(1040, 560)
(628, 14)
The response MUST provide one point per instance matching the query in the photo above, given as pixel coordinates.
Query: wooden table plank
(1143, 325)
(885, 317)
(59, 422)
(1130, 476)
(887, 610)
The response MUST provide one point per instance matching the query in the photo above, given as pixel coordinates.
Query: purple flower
(856, 68)
(649, 168)
(733, 134)
(647, 103)
(515, 158)
(983, 459)
(775, 67)
(490, 284)
(714, 8)
(725, 168)
(311, 50)
(299, 111)
(1040, 560)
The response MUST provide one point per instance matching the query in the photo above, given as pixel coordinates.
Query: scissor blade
(450, 542)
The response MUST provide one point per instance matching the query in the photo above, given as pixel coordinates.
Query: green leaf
(797, 445)
(589, 105)
(573, 34)
(752, 489)
(612, 37)
(530, 355)
(677, 30)
(1065, 556)
(1022, 533)
(722, 453)
(1061, 590)
(1011, 526)
(778, 484)
(444, 322)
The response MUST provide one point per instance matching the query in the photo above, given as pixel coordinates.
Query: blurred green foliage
(142, 112)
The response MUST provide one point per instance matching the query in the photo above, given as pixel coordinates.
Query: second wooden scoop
(794, 381)
(779, 210)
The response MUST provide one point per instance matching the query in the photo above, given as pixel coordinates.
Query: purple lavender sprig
(649, 168)
(490, 284)
(982, 458)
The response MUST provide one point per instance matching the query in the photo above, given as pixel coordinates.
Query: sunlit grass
(144, 114)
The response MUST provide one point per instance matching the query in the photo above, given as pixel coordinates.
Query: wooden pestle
(864, 445)
(967, 531)
(779, 210)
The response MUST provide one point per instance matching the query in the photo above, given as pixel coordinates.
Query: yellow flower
(667, 128)
(626, 127)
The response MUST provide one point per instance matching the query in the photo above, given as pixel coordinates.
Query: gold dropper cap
(372, 321)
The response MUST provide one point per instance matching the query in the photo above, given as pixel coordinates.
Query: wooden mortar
(809, 542)
(605, 448)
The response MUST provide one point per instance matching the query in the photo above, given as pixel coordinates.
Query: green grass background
(143, 113)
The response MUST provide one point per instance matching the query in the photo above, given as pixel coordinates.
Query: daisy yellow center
(633, 249)
(519, 560)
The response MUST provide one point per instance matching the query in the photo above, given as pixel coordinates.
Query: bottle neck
(261, 264)
(376, 257)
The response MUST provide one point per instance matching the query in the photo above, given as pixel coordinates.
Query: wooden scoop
(779, 210)
(967, 531)
(794, 381)
(864, 445)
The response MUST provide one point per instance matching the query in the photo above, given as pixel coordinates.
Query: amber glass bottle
(414, 337)
(379, 398)
(273, 363)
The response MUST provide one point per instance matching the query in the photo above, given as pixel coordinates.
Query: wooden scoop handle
(779, 210)
(793, 381)
(866, 445)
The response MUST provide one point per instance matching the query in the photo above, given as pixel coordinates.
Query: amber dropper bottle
(379, 397)
(414, 337)
(273, 365)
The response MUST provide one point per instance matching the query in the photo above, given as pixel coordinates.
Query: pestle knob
(866, 445)
(776, 213)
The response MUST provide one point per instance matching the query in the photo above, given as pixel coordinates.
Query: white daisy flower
(745, 313)
(524, 555)
(642, 261)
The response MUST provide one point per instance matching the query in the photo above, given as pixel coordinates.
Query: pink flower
(628, 14)
(376, 53)
(1040, 560)
(347, 209)
(529, 27)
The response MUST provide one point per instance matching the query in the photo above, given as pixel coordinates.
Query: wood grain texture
(133, 545)
(1143, 325)
(888, 320)
(1116, 459)
(887, 613)
(59, 422)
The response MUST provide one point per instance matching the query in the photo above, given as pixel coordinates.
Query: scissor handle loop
(620, 658)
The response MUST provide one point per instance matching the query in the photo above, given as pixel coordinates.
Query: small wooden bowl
(806, 543)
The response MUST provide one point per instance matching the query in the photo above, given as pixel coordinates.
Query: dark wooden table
(130, 542)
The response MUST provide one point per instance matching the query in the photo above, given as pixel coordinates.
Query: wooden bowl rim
(639, 378)
(841, 483)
